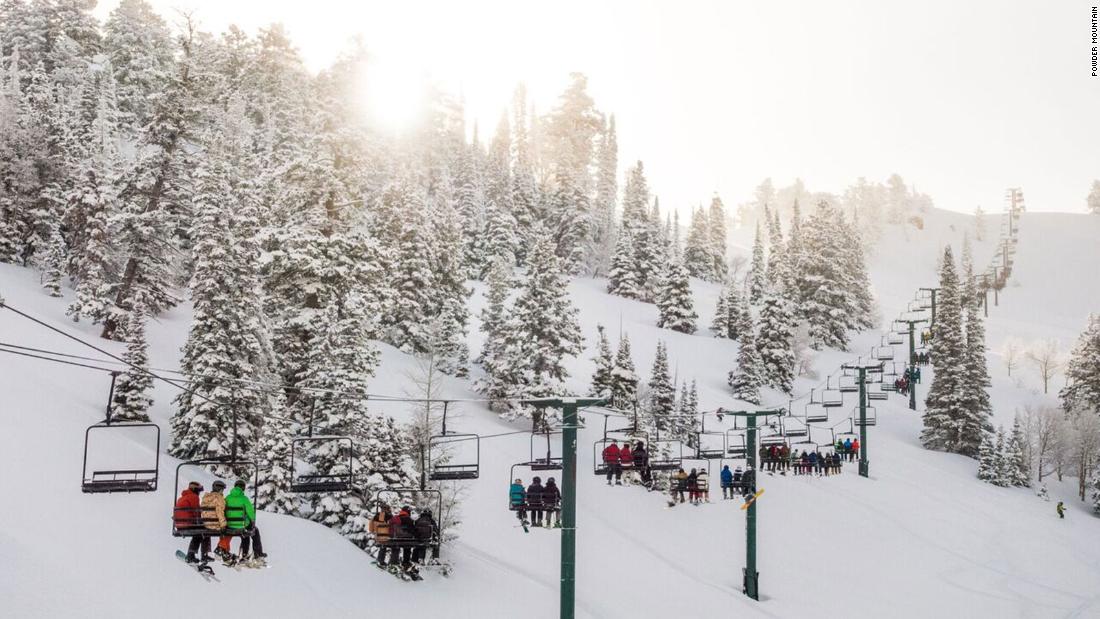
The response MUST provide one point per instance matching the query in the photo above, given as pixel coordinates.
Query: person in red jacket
(188, 517)
(855, 449)
(611, 460)
(626, 459)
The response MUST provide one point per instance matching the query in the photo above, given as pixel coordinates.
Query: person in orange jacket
(626, 459)
(855, 449)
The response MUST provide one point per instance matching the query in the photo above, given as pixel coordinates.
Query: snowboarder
(626, 460)
(611, 461)
(534, 501)
(1061, 509)
(403, 533)
(241, 514)
(678, 483)
(187, 516)
(213, 508)
(379, 526)
(726, 480)
(424, 531)
(551, 500)
(517, 499)
(641, 464)
(702, 482)
(748, 482)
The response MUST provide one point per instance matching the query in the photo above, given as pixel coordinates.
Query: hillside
(922, 537)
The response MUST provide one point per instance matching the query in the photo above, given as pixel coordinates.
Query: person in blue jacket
(848, 448)
(727, 482)
(517, 499)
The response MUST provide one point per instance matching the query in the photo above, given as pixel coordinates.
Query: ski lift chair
(189, 522)
(601, 467)
(121, 480)
(666, 455)
(420, 500)
(871, 416)
(467, 468)
(544, 461)
(710, 451)
(795, 427)
(831, 397)
(735, 444)
(848, 383)
(323, 482)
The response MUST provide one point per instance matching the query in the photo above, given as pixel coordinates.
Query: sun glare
(393, 92)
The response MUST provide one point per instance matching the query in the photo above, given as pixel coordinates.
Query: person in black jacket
(424, 531)
(403, 531)
(534, 501)
(748, 482)
(641, 464)
(551, 500)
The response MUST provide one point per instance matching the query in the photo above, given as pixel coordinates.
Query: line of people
(695, 484)
(399, 537)
(921, 358)
(737, 482)
(537, 501)
(848, 448)
(220, 515)
(816, 463)
(634, 460)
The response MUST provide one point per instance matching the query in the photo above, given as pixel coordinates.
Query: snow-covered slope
(922, 537)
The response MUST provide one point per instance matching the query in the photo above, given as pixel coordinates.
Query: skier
(551, 500)
(702, 483)
(784, 458)
(748, 482)
(379, 526)
(726, 479)
(693, 486)
(241, 514)
(626, 460)
(678, 484)
(517, 499)
(213, 502)
(764, 455)
(1061, 509)
(403, 532)
(848, 448)
(611, 460)
(641, 464)
(187, 516)
(916, 375)
(534, 501)
(424, 531)
(855, 450)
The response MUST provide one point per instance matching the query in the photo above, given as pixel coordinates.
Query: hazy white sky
(962, 98)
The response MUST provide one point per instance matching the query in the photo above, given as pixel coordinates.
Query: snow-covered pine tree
(602, 378)
(501, 235)
(776, 256)
(470, 203)
(570, 223)
(156, 192)
(747, 378)
(674, 302)
(987, 471)
(1017, 470)
(944, 406)
(498, 380)
(1001, 472)
(698, 253)
(662, 393)
(94, 197)
(794, 255)
(774, 342)
(1082, 390)
(603, 206)
(273, 460)
(543, 329)
(624, 376)
(720, 325)
(140, 48)
(740, 312)
(861, 306)
(1093, 199)
(757, 279)
(716, 221)
(623, 277)
(132, 397)
(447, 335)
(412, 282)
(976, 411)
(824, 293)
(685, 424)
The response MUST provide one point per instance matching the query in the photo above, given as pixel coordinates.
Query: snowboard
(202, 567)
(752, 499)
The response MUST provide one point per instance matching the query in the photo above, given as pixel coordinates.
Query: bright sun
(393, 92)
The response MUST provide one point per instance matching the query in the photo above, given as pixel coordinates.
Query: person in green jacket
(241, 514)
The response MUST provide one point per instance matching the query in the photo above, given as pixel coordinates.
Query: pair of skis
(412, 573)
